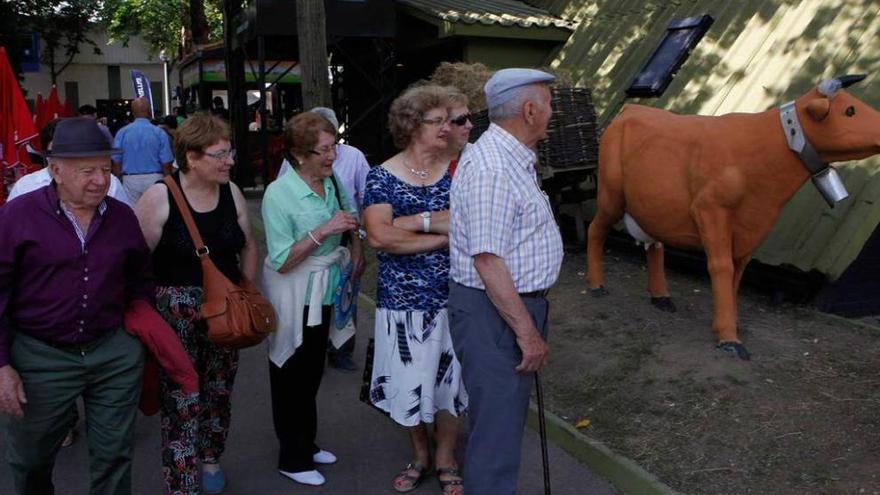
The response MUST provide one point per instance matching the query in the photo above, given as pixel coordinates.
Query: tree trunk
(237, 94)
(311, 26)
(198, 23)
(186, 41)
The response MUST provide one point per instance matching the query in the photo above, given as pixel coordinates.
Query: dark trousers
(294, 391)
(107, 374)
(346, 349)
(498, 395)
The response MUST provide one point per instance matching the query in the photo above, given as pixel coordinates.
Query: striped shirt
(498, 207)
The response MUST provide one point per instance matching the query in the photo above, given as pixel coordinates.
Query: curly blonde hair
(408, 110)
(469, 79)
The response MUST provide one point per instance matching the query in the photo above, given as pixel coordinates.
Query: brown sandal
(414, 481)
(444, 484)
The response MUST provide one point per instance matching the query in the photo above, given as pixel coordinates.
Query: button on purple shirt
(55, 289)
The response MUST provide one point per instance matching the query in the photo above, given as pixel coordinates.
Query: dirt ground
(800, 417)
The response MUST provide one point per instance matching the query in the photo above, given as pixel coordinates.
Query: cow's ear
(818, 108)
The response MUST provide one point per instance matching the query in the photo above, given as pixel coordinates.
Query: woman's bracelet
(312, 237)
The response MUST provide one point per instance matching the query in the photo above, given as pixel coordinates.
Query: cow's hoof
(734, 349)
(663, 304)
(600, 291)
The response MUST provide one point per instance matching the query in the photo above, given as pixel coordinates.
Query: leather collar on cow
(824, 176)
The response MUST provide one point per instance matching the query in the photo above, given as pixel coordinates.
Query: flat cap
(500, 87)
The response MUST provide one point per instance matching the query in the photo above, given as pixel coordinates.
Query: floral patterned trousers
(194, 426)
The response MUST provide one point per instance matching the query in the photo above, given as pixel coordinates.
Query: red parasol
(39, 107)
(16, 123)
(54, 108)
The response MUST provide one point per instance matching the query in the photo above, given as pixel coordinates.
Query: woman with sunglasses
(305, 213)
(459, 129)
(194, 429)
(416, 378)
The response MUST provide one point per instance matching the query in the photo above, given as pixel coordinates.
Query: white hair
(513, 106)
(328, 115)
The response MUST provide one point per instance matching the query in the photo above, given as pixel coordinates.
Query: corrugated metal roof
(757, 54)
(489, 12)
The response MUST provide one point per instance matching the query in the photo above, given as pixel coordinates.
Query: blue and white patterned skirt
(415, 371)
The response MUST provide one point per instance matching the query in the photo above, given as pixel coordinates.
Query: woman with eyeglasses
(416, 377)
(305, 213)
(194, 429)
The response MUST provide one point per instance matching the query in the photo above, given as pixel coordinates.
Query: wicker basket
(571, 135)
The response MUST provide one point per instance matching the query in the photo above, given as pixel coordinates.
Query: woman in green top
(304, 223)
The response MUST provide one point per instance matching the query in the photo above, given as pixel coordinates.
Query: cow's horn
(850, 79)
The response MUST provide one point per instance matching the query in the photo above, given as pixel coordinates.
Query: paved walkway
(371, 449)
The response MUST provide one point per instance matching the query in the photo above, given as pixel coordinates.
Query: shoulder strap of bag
(336, 190)
(346, 236)
(201, 249)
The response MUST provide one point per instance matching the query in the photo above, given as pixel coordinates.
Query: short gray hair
(513, 106)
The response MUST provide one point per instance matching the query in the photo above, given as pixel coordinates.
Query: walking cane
(542, 428)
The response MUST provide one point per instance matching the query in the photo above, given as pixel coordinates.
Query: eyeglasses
(461, 120)
(222, 155)
(325, 151)
(438, 121)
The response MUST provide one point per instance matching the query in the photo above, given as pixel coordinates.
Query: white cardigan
(287, 293)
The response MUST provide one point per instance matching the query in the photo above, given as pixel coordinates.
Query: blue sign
(142, 87)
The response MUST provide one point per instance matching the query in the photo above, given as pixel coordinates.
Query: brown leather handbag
(238, 316)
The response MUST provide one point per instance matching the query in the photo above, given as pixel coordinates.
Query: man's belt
(535, 294)
(143, 173)
(77, 346)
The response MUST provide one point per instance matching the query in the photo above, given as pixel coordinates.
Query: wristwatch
(426, 221)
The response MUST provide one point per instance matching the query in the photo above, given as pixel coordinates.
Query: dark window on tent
(680, 38)
(114, 84)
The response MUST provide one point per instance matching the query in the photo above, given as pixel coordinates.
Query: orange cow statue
(719, 183)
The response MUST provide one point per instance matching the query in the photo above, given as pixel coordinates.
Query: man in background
(92, 113)
(146, 152)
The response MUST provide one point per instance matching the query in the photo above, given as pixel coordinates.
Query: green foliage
(160, 22)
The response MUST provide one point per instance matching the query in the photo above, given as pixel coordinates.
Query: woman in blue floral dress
(416, 377)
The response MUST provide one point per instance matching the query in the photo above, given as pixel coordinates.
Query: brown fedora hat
(78, 137)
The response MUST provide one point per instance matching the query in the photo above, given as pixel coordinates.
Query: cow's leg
(657, 286)
(596, 236)
(715, 227)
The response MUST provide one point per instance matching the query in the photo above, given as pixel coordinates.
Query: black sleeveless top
(175, 261)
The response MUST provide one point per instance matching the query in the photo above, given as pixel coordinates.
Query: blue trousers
(499, 396)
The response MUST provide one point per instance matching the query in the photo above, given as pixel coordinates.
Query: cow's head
(838, 125)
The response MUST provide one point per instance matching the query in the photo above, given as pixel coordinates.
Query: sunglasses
(461, 119)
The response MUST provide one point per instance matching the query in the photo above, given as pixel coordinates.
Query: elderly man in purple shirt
(70, 261)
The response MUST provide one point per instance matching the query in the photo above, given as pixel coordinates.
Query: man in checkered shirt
(506, 252)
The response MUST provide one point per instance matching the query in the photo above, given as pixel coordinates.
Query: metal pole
(167, 98)
(542, 429)
(264, 113)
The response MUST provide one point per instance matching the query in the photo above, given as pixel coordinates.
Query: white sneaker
(312, 478)
(324, 457)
